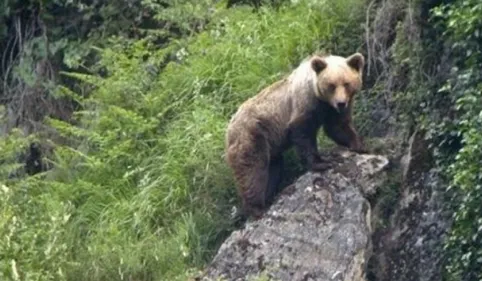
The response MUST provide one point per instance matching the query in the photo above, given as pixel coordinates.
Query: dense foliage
(462, 22)
(139, 189)
(444, 100)
(446, 103)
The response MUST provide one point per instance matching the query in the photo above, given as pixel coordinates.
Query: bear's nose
(341, 106)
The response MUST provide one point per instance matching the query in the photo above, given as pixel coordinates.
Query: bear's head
(338, 78)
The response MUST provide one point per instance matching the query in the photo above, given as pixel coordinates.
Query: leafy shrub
(462, 22)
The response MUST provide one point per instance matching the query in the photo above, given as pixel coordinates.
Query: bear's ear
(318, 64)
(356, 61)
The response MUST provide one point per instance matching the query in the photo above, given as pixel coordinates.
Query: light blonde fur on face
(338, 78)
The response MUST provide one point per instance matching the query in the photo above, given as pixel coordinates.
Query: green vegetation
(139, 189)
(446, 104)
(130, 100)
(462, 22)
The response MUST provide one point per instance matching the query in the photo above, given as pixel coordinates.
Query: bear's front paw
(359, 147)
(320, 166)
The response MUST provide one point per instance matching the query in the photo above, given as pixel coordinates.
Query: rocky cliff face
(319, 228)
(337, 225)
(409, 245)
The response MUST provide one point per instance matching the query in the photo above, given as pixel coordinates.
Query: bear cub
(318, 93)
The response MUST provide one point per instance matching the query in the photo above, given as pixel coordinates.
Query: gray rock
(317, 229)
(410, 246)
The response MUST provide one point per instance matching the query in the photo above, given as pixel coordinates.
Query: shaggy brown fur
(319, 92)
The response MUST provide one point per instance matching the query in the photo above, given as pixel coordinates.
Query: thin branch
(367, 32)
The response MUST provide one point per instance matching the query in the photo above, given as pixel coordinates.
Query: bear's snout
(341, 106)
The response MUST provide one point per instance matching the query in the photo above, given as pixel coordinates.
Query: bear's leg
(304, 140)
(275, 172)
(252, 185)
(250, 163)
(341, 130)
(254, 191)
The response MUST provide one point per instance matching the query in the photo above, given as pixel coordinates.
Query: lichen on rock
(319, 228)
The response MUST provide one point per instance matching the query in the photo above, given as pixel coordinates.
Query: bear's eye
(331, 87)
(346, 85)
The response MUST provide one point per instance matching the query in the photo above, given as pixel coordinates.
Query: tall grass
(143, 192)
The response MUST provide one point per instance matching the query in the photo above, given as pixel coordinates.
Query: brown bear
(319, 92)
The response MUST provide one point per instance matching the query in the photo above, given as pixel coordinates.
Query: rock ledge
(317, 229)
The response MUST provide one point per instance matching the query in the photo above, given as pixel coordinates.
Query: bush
(462, 22)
